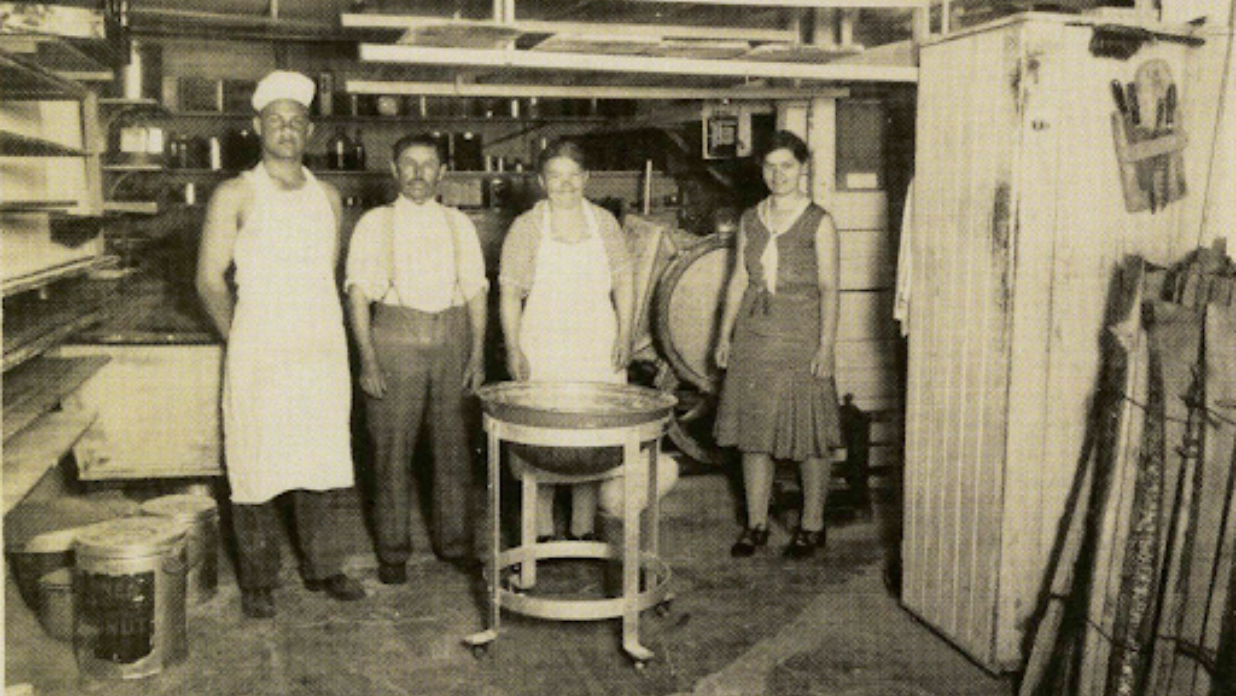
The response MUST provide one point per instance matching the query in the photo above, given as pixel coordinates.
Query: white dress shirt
(411, 255)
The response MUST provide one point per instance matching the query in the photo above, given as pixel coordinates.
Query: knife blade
(1135, 109)
(1118, 95)
(1169, 118)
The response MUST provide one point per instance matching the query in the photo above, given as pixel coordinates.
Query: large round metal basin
(573, 406)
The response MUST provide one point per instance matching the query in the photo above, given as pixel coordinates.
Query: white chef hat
(283, 84)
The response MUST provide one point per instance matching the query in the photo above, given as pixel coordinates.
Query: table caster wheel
(663, 609)
(480, 652)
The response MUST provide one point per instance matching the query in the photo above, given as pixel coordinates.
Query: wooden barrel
(689, 298)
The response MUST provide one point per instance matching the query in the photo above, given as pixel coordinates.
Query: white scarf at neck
(771, 258)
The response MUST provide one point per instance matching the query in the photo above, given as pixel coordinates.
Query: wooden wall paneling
(868, 260)
(1031, 218)
(1040, 212)
(866, 316)
(920, 425)
(952, 512)
(995, 258)
(860, 210)
(1208, 106)
(822, 140)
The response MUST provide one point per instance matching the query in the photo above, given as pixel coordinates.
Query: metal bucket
(199, 515)
(56, 604)
(38, 557)
(129, 591)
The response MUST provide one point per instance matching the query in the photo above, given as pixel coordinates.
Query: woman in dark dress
(777, 344)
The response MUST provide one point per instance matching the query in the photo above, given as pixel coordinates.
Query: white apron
(569, 325)
(286, 392)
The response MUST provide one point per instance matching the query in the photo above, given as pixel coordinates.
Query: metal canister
(129, 596)
(56, 604)
(198, 515)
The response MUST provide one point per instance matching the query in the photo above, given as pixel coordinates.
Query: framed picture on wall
(720, 131)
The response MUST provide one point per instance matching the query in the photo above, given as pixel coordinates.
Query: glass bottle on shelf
(171, 158)
(338, 151)
(358, 152)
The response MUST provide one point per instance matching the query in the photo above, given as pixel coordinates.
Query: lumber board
(1208, 576)
(1116, 504)
(1178, 345)
(39, 385)
(38, 448)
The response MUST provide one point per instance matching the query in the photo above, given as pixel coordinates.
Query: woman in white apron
(567, 300)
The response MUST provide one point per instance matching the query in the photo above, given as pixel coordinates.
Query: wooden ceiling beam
(803, 4)
(634, 65)
(459, 89)
(653, 31)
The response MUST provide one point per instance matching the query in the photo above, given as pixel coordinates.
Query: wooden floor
(757, 626)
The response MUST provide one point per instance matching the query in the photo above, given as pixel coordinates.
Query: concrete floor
(741, 627)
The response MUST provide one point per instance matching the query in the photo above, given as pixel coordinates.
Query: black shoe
(804, 543)
(586, 536)
(339, 587)
(751, 539)
(392, 573)
(257, 604)
(546, 538)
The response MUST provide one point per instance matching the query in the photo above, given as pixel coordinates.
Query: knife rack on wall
(1150, 152)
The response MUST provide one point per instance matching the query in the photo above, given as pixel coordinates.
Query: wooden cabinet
(1019, 222)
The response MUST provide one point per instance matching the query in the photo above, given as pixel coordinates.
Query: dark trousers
(423, 358)
(258, 528)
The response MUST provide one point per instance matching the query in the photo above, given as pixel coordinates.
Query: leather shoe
(392, 573)
(804, 543)
(586, 536)
(257, 604)
(339, 587)
(751, 539)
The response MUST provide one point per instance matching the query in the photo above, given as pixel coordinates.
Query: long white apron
(286, 393)
(569, 324)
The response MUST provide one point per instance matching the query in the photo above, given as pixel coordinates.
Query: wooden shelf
(132, 168)
(38, 448)
(131, 207)
(21, 79)
(40, 385)
(406, 119)
(51, 275)
(34, 206)
(17, 145)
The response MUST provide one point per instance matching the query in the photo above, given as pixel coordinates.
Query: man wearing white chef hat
(287, 389)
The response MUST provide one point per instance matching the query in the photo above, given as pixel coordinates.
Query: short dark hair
(785, 140)
(563, 147)
(418, 140)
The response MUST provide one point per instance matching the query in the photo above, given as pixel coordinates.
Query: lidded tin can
(129, 597)
(199, 516)
(56, 604)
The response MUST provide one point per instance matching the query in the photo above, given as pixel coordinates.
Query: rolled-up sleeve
(471, 271)
(368, 267)
(516, 268)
